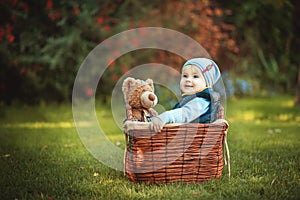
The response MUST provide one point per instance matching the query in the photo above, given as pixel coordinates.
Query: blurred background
(43, 43)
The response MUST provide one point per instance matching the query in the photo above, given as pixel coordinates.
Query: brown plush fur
(141, 106)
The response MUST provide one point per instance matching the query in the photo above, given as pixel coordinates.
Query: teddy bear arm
(137, 115)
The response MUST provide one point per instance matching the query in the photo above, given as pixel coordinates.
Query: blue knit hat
(208, 67)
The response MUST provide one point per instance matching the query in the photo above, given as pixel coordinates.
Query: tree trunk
(297, 98)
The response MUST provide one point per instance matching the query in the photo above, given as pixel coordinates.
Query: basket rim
(137, 125)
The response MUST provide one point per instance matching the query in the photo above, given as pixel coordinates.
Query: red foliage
(134, 42)
(100, 20)
(54, 15)
(11, 39)
(6, 33)
(24, 7)
(114, 77)
(29, 70)
(111, 62)
(124, 68)
(76, 10)
(201, 20)
(23, 70)
(13, 2)
(49, 5)
(89, 92)
(106, 28)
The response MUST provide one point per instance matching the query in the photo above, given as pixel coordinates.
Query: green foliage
(269, 50)
(42, 156)
(43, 43)
(50, 39)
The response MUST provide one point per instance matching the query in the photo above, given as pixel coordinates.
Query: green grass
(42, 156)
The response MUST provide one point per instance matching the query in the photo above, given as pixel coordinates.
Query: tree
(43, 43)
(268, 34)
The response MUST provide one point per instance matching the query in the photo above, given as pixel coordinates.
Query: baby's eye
(196, 76)
(184, 76)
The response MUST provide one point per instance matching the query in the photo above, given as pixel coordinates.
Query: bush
(43, 43)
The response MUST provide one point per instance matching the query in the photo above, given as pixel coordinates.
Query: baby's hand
(156, 124)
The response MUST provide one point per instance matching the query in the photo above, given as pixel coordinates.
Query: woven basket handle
(220, 112)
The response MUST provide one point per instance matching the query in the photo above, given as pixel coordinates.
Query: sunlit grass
(42, 156)
(37, 125)
(274, 109)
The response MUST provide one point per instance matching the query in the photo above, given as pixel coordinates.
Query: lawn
(42, 156)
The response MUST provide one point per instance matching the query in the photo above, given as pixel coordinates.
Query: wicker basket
(187, 153)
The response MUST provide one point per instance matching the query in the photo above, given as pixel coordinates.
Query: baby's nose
(151, 97)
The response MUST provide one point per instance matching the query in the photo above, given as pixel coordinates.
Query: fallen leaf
(275, 178)
(96, 174)
(277, 130)
(270, 131)
(69, 145)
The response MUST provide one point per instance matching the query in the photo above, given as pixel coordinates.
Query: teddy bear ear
(150, 82)
(128, 83)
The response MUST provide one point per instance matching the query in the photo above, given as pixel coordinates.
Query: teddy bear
(140, 99)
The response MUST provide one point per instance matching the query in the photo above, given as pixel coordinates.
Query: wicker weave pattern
(184, 153)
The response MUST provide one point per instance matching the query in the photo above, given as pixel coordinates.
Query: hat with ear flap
(208, 67)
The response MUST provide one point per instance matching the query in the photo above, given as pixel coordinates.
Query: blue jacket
(211, 114)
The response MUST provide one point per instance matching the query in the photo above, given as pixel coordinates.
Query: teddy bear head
(139, 93)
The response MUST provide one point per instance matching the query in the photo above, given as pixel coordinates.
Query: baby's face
(192, 80)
